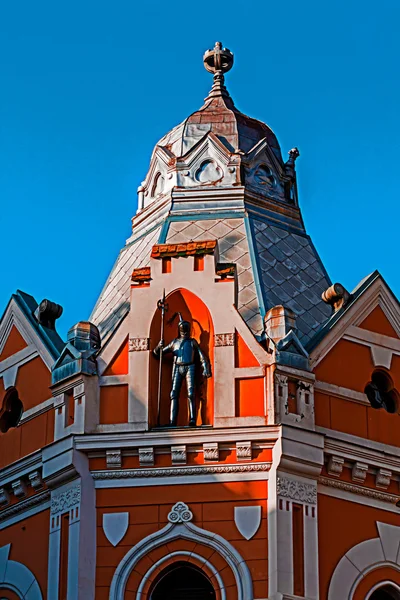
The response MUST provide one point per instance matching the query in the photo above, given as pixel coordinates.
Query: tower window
(11, 410)
(381, 392)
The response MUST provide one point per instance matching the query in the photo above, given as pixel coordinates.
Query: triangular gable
(12, 344)
(119, 364)
(377, 321)
(349, 323)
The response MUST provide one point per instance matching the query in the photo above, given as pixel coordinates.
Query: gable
(13, 344)
(378, 322)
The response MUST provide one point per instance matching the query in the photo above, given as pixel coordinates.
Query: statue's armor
(184, 351)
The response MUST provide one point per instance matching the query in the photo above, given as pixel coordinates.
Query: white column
(311, 580)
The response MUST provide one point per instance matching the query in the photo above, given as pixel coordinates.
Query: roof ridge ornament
(218, 61)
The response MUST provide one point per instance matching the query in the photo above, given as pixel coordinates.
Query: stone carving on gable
(224, 339)
(180, 513)
(139, 344)
(296, 490)
(65, 500)
(208, 172)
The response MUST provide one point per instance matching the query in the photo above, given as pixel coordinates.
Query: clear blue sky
(87, 89)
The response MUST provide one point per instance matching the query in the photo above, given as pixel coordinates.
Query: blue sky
(87, 89)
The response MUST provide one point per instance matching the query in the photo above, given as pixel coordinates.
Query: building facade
(286, 483)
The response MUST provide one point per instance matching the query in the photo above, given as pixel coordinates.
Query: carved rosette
(224, 339)
(139, 344)
(63, 501)
(180, 513)
(296, 490)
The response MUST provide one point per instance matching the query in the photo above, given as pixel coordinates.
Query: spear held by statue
(163, 306)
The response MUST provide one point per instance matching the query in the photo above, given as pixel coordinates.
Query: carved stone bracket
(224, 339)
(359, 472)
(243, 451)
(146, 457)
(113, 459)
(35, 480)
(139, 344)
(19, 488)
(211, 451)
(180, 513)
(178, 455)
(4, 497)
(63, 501)
(335, 466)
(297, 490)
(383, 479)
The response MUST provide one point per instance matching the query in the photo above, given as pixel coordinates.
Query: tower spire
(218, 61)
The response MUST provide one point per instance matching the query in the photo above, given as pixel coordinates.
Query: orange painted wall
(15, 342)
(114, 404)
(30, 545)
(213, 509)
(378, 322)
(354, 523)
(119, 364)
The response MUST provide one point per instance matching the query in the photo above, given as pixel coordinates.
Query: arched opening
(182, 581)
(196, 312)
(11, 410)
(386, 592)
(381, 392)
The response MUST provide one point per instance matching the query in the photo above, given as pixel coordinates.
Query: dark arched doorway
(386, 592)
(182, 581)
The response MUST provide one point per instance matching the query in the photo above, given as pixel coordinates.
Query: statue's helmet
(183, 326)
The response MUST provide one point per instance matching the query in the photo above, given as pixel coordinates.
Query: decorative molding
(243, 451)
(17, 577)
(146, 457)
(25, 505)
(183, 471)
(211, 451)
(4, 496)
(178, 455)
(224, 339)
(383, 479)
(359, 472)
(63, 501)
(35, 480)
(180, 513)
(19, 488)
(139, 344)
(335, 466)
(296, 490)
(113, 459)
(115, 526)
(281, 379)
(247, 520)
(356, 489)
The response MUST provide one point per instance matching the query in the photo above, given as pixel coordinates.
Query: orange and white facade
(288, 487)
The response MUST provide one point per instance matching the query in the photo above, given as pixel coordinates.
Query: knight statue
(185, 350)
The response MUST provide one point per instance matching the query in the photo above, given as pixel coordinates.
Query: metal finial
(218, 61)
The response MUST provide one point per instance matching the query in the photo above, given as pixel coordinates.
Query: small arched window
(182, 581)
(381, 392)
(158, 185)
(385, 592)
(11, 410)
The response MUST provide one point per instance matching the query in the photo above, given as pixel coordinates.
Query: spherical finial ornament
(218, 59)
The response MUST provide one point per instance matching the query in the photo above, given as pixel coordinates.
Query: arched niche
(385, 591)
(196, 312)
(182, 579)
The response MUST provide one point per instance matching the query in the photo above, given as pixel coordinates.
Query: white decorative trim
(178, 455)
(180, 513)
(243, 451)
(224, 339)
(335, 466)
(139, 344)
(297, 490)
(37, 410)
(176, 471)
(211, 451)
(146, 457)
(201, 560)
(363, 558)
(113, 459)
(35, 480)
(21, 507)
(357, 489)
(359, 472)
(186, 531)
(62, 502)
(17, 577)
(382, 480)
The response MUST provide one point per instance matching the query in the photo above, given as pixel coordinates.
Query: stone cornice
(20, 468)
(25, 505)
(362, 453)
(179, 471)
(359, 490)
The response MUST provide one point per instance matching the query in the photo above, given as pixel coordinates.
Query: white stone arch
(383, 551)
(181, 528)
(17, 577)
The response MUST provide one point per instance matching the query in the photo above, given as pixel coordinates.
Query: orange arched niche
(196, 312)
